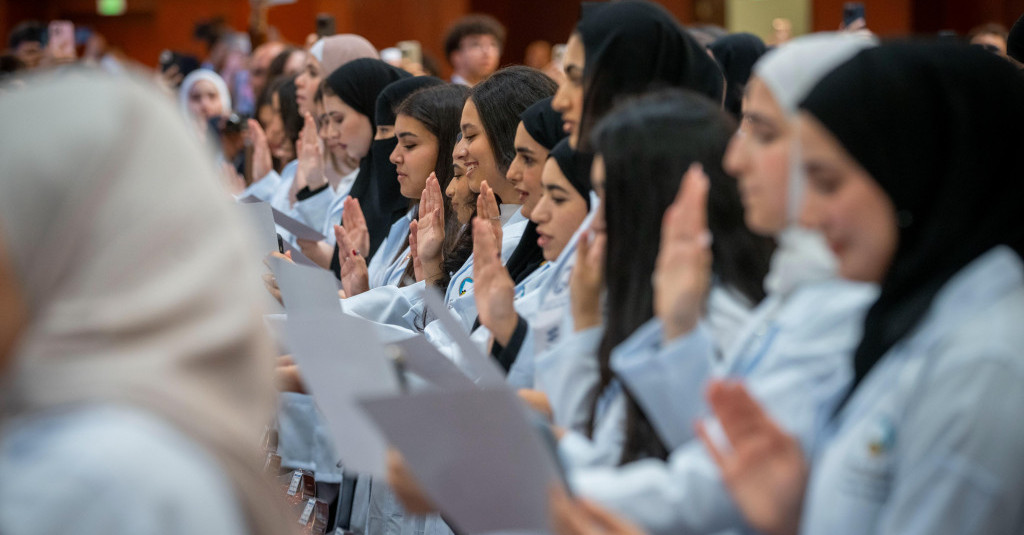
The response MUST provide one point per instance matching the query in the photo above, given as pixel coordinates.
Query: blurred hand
(587, 281)
(537, 401)
(262, 164)
(270, 281)
(287, 377)
(765, 470)
(581, 517)
(310, 170)
(493, 289)
(405, 486)
(682, 275)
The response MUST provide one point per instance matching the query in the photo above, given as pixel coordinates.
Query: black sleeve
(306, 193)
(506, 355)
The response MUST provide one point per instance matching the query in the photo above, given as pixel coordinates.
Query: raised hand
(417, 266)
(493, 289)
(262, 164)
(587, 280)
(430, 229)
(488, 210)
(581, 517)
(310, 171)
(764, 469)
(682, 275)
(354, 221)
(354, 276)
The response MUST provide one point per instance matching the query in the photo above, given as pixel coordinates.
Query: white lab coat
(931, 441)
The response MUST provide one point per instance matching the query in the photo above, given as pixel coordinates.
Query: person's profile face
(524, 173)
(476, 153)
(568, 100)
(306, 84)
(558, 213)
(847, 205)
(758, 156)
(415, 155)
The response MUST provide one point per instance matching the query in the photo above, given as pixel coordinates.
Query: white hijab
(209, 76)
(134, 270)
(790, 72)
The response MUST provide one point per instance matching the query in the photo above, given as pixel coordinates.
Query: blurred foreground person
(136, 375)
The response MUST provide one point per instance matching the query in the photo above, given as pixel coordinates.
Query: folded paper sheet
(475, 453)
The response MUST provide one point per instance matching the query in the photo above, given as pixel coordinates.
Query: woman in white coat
(920, 193)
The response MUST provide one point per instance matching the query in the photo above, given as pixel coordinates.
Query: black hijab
(575, 166)
(543, 123)
(736, 54)
(396, 92)
(632, 47)
(938, 128)
(1015, 41)
(358, 83)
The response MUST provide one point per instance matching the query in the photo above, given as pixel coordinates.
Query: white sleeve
(569, 374)
(667, 382)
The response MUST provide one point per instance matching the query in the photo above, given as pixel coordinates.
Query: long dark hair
(647, 145)
(501, 98)
(439, 110)
(285, 90)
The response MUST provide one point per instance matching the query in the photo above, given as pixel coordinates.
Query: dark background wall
(150, 26)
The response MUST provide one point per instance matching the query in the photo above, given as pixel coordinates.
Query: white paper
(483, 370)
(340, 362)
(475, 454)
(423, 359)
(259, 214)
(306, 291)
(297, 228)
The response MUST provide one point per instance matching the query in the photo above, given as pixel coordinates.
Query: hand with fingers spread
(488, 210)
(262, 164)
(320, 252)
(354, 221)
(764, 469)
(587, 280)
(310, 171)
(354, 276)
(430, 229)
(417, 266)
(493, 289)
(232, 180)
(682, 275)
(582, 517)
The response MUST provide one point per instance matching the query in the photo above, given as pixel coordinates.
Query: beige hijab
(135, 271)
(334, 51)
